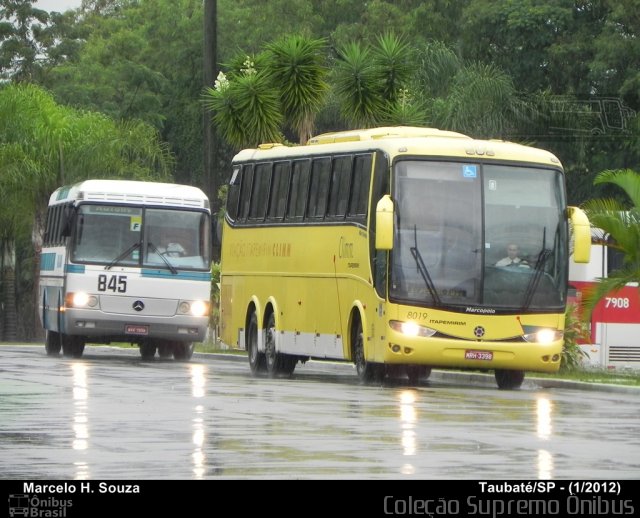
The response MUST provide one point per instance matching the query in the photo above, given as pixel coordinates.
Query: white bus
(126, 261)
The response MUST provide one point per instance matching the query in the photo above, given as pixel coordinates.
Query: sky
(57, 5)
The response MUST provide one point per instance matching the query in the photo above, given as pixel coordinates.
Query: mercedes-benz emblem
(479, 331)
(138, 305)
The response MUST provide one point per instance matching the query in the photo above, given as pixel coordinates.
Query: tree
(19, 45)
(44, 145)
(297, 67)
(620, 221)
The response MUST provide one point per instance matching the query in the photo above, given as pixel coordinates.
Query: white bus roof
(131, 192)
(404, 140)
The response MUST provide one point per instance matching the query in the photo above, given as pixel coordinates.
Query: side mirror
(581, 234)
(384, 223)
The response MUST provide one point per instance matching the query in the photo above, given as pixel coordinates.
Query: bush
(575, 330)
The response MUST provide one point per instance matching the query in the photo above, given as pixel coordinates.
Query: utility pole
(210, 147)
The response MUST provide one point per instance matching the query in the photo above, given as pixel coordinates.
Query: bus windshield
(142, 237)
(478, 235)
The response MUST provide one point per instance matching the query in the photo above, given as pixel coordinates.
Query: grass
(629, 377)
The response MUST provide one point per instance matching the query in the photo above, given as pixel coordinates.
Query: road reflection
(544, 429)
(80, 417)
(198, 390)
(408, 418)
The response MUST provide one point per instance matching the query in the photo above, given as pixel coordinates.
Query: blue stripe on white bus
(165, 274)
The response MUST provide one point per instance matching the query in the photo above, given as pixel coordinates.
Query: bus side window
(245, 192)
(279, 190)
(260, 191)
(360, 187)
(340, 186)
(299, 189)
(319, 191)
(234, 193)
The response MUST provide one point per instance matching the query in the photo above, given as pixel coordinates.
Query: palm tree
(297, 68)
(622, 223)
(358, 85)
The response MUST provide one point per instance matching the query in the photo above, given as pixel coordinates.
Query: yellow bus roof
(403, 140)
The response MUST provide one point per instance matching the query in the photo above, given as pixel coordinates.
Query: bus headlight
(80, 299)
(544, 336)
(197, 308)
(411, 329)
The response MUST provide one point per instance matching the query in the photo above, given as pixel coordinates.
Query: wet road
(112, 416)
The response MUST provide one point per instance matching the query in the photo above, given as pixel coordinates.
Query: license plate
(470, 354)
(131, 329)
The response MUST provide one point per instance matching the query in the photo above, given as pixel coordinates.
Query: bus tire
(147, 350)
(72, 346)
(368, 372)
(509, 379)
(165, 350)
(276, 363)
(257, 361)
(417, 373)
(52, 343)
(183, 350)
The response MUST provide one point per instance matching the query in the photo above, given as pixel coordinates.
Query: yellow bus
(384, 247)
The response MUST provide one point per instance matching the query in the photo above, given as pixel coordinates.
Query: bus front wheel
(52, 343)
(183, 350)
(416, 373)
(508, 379)
(367, 371)
(257, 361)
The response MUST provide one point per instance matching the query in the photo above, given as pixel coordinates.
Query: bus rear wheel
(509, 379)
(367, 371)
(52, 343)
(257, 361)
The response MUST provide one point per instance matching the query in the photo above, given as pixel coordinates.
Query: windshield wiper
(543, 255)
(122, 255)
(166, 261)
(422, 268)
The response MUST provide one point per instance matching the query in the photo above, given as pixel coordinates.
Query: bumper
(113, 327)
(440, 352)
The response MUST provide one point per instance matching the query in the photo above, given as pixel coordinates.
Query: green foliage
(214, 308)
(575, 331)
(247, 111)
(297, 66)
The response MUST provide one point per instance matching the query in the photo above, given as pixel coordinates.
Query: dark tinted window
(319, 191)
(360, 186)
(245, 192)
(299, 189)
(233, 194)
(260, 191)
(279, 190)
(340, 184)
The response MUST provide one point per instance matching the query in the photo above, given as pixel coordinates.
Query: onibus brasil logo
(35, 506)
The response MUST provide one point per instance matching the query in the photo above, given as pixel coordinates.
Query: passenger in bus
(513, 258)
